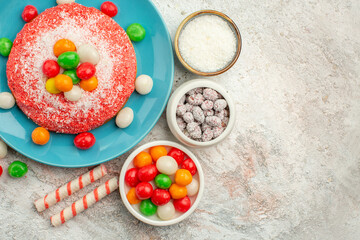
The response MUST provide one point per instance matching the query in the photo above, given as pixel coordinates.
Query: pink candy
(210, 94)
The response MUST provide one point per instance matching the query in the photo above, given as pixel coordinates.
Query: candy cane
(85, 202)
(69, 188)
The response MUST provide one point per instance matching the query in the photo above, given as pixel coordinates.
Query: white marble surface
(291, 167)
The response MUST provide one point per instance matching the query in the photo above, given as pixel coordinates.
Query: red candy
(144, 190)
(177, 154)
(51, 68)
(131, 178)
(160, 197)
(29, 13)
(147, 173)
(109, 9)
(1, 171)
(85, 71)
(84, 140)
(182, 204)
(189, 165)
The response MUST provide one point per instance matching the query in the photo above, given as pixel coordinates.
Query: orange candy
(40, 136)
(131, 196)
(183, 177)
(63, 45)
(90, 84)
(63, 83)
(142, 159)
(157, 152)
(177, 191)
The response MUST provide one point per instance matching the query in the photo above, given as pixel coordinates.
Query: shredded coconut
(207, 43)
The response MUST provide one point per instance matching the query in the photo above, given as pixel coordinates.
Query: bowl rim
(138, 215)
(189, 18)
(184, 88)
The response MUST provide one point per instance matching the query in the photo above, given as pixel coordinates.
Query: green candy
(69, 60)
(17, 169)
(72, 74)
(162, 181)
(136, 32)
(5, 46)
(147, 207)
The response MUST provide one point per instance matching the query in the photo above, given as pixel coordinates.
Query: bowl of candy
(200, 113)
(161, 183)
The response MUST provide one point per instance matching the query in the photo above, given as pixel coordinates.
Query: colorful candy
(90, 84)
(143, 84)
(62, 46)
(88, 53)
(189, 165)
(124, 118)
(74, 94)
(17, 169)
(109, 8)
(167, 165)
(51, 68)
(40, 136)
(147, 173)
(177, 191)
(136, 32)
(147, 207)
(59, 2)
(142, 159)
(131, 196)
(177, 154)
(63, 83)
(7, 100)
(144, 190)
(5, 46)
(84, 140)
(163, 181)
(183, 177)
(3, 149)
(166, 212)
(72, 74)
(85, 71)
(50, 86)
(192, 188)
(160, 197)
(157, 152)
(29, 13)
(1, 171)
(182, 204)
(69, 60)
(131, 178)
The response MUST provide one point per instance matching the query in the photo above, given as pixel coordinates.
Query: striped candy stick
(69, 188)
(85, 202)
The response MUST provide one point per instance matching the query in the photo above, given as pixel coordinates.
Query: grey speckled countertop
(291, 167)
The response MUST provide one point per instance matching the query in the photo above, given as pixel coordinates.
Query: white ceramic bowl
(174, 100)
(155, 220)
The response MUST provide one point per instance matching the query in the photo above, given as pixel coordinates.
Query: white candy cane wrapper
(85, 202)
(69, 188)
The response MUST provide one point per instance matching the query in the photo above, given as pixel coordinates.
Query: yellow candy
(50, 86)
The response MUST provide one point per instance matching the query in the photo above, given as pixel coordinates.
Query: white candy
(74, 94)
(125, 117)
(7, 100)
(167, 165)
(88, 53)
(64, 1)
(166, 212)
(3, 149)
(192, 188)
(143, 84)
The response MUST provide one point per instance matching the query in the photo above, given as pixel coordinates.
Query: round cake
(116, 70)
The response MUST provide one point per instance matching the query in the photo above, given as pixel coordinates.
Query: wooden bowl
(208, 12)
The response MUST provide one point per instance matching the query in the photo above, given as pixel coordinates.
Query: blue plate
(154, 57)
